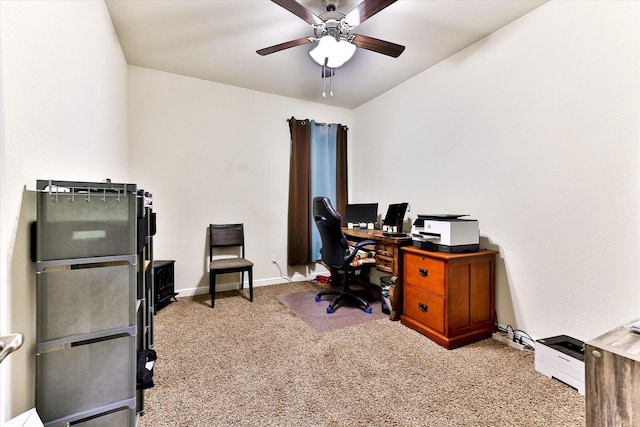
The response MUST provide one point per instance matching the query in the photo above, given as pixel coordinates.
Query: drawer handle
(423, 272)
(423, 307)
(596, 353)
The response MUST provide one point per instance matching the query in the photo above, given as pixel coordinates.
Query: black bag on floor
(144, 375)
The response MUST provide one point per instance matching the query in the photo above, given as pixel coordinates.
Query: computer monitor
(361, 213)
(395, 215)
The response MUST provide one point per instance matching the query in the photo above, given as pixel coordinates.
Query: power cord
(282, 276)
(517, 336)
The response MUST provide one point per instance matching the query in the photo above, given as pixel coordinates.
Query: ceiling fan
(334, 28)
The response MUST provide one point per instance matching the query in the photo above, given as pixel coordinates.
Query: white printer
(562, 357)
(446, 233)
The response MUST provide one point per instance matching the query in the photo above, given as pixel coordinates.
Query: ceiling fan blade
(366, 10)
(285, 45)
(379, 46)
(299, 10)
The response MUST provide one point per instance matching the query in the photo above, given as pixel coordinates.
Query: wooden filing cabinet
(450, 298)
(612, 379)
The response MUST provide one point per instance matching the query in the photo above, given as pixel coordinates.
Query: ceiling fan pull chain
(324, 94)
(331, 85)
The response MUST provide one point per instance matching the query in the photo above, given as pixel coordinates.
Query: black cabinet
(163, 282)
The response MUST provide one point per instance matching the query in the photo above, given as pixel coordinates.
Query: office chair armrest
(357, 247)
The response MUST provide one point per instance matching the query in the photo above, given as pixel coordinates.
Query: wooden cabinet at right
(450, 298)
(612, 378)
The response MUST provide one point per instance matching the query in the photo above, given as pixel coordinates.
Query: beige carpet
(258, 364)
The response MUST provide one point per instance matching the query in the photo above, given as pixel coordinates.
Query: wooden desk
(388, 259)
(388, 256)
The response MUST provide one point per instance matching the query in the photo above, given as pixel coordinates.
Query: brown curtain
(299, 217)
(299, 236)
(342, 196)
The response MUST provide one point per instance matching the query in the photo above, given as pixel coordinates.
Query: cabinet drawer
(83, 223)
(119, 417)
(384, 249)
(85, 298)
(424, 307)
(384, 263)
(86, 375)
(424, 272)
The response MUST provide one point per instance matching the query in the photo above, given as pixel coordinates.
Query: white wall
(535, 132)
(211, 153)
(63, 109)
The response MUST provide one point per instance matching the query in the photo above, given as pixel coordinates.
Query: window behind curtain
(323, 173)
(318, 167)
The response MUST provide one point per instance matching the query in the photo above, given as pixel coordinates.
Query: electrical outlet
(273, 258)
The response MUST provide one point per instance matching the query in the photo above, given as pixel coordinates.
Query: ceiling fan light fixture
(336, 52)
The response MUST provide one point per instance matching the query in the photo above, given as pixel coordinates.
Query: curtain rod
(323, 124)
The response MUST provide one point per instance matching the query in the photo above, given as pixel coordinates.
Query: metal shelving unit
(92, 243)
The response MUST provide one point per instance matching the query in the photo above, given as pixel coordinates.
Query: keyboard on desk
(392, 234)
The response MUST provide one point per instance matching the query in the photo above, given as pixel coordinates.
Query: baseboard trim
(256, 283)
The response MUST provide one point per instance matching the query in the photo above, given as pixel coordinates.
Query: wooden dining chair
(228, 236)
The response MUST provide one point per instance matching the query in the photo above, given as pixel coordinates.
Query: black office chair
(228, 235)
(337, 255)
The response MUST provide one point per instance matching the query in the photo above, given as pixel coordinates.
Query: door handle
(9, 344)
(423, 272)
(423, 307)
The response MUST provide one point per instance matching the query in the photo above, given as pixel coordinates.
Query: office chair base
(340, 295)
(367, 310)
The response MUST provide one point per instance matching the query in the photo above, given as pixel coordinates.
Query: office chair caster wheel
(367, 310)
(329, 309)
(318, 298)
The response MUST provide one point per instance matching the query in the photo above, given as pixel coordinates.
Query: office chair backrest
(329, 223)
(225, 235)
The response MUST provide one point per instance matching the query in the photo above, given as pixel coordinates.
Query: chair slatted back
(221, 235)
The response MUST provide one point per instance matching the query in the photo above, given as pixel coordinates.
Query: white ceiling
(217, 40)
